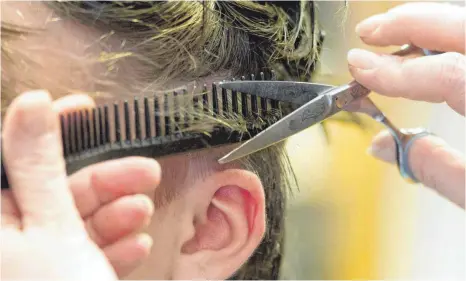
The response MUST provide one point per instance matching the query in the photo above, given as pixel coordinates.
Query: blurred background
(353, 216)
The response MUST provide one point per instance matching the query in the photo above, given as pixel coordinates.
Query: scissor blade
(307, 115)
(288, 91)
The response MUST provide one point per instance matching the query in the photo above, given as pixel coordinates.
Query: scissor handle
(404, 142)
(404, 138)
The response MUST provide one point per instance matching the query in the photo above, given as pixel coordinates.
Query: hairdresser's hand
(109, 197)
(52, 234)
(439, 78)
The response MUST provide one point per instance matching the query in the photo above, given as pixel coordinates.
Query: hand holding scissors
(319, 102)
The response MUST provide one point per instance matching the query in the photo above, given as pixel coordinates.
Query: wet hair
(189, 40)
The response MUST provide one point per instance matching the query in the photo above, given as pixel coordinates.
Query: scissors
(318, 102)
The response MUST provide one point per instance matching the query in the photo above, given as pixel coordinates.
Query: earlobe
(228, 230)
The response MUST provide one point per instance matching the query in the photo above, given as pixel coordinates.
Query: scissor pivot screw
(341, 101)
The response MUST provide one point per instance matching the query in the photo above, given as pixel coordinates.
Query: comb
(161, 125)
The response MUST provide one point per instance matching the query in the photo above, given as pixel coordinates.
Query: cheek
(164, 229)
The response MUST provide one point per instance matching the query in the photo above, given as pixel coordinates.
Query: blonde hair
(189, 40)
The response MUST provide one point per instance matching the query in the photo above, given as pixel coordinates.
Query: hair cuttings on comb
(141, 47)
(167, 124)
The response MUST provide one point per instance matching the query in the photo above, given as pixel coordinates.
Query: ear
(228, 226)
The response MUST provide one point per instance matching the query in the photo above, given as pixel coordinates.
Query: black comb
(157, 127)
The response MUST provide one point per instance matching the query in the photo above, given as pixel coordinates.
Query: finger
(432, 26)
(438, 78)
(11, 216)
(72, 103)
(127, 254)
(98, 184)
(119, 219)
(434, 163)
(35, 165)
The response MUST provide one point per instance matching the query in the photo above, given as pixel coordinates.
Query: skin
(208, 232)
(439, 78)
(105, 214)
(99, 191)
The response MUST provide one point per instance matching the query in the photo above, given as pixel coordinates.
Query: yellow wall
(344, 203)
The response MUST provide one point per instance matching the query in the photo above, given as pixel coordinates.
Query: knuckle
(452, 71)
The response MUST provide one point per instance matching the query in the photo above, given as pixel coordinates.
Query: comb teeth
(177, 114)
(156, 121)
(83, 130)
(234, 100)
(137, 120)
(94, 128)
(79, 132)
(147, 119)
(254, 107)
(224, 101)
(101, 127)
(274, 103)
(263, 100)
(205, 99)
(215, 100)
(127, 123)
(186, 116)
(195, 106)
(116, 111)
(166, 113)
(244, 101)
(107, 124)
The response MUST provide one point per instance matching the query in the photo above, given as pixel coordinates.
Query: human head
(204, 225)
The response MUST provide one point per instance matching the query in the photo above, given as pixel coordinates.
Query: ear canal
(213, 234)
(229, 220)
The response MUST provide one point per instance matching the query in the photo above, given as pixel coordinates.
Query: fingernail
(382, 153)
(368, 26)
(383, 147)
(362, 59)
(35, 109)
(144, 202)
(145, 240)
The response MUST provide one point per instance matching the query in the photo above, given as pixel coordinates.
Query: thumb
(432, 161)
(35, 165)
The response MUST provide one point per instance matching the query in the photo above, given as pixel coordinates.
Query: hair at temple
(189, 40)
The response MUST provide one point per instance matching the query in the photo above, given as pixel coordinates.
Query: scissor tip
(222, 160)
